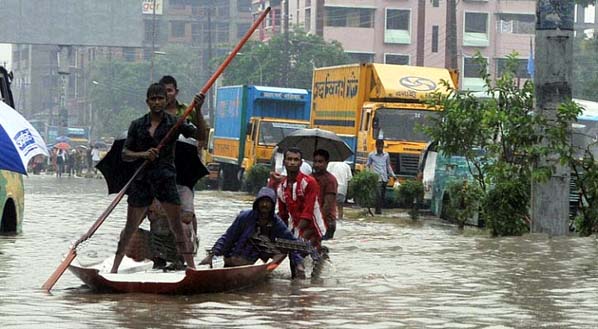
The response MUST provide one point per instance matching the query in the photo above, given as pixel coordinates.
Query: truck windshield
(585, 133)
(401, 125)
(273, 132)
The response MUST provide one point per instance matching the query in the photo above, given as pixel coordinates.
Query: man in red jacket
(298, 202)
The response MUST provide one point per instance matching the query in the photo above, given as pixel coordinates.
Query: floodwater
(384, 274)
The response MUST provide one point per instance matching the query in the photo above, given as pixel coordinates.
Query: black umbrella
(189, 168)
(310, 140)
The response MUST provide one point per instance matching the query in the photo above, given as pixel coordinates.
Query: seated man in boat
(158, 179)
(240, 245)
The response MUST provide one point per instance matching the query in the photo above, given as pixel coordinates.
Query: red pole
(72, 253)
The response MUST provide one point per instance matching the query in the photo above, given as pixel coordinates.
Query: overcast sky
(5, 54)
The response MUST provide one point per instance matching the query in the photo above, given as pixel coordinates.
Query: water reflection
(387, 274)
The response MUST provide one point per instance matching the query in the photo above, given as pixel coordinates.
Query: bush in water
(257, 177)
(363, 187)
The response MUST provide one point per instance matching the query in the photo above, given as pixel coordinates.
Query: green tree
(502, 140)
(118, 86)
(267, 61)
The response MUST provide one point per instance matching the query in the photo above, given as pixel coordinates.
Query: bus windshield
(402, 125)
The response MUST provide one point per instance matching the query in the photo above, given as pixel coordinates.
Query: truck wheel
(240, 179)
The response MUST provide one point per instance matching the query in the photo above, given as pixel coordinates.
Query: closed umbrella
(310, 140)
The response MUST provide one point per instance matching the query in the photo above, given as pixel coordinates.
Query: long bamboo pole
(72, 253)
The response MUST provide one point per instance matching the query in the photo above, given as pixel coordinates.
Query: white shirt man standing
(379, 163)
(342, 172)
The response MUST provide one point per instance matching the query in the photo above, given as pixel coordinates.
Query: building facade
(52, 82)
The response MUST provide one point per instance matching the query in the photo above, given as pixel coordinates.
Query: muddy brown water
(384, 274)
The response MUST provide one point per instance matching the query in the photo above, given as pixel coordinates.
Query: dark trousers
(380, 195)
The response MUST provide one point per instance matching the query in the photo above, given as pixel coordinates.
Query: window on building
(307, 19)
(129, 54)
(396, 59)
(244, 6)
(520, 70)
(177, 29)
(196, 34)
(177, 4)
(361, 57)
(398, 24)
(349, 17)
(516, 23)
(476, 30)
(435, 38)
(221, 32)
(589, 14)
(471, 74)
(242, 28)
(435, 3)
(148, 31)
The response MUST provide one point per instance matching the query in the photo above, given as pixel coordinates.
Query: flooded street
(390, 274)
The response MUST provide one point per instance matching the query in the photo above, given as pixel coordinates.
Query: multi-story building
(45, 85)
(415, 31)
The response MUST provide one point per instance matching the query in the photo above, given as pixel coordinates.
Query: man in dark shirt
(158, 179)
(237, 245)
(328, 189)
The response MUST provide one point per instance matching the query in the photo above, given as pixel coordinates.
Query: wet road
(389, 274)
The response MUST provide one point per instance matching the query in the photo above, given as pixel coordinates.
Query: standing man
(298, 203)
(158, 180)
(379, 163)
(159, 224)
(328, 188)
(342, 172)
(95, 157)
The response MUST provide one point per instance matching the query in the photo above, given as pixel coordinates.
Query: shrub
(410, 190)
(363, 187)
(256, 178)
(464, 201)
(506, 208)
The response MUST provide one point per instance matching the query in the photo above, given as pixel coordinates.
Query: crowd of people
(308, 199)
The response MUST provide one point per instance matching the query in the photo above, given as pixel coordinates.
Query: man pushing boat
(258, 234)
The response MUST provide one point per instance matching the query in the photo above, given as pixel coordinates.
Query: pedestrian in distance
(95, 158)
(239, 244)
(379, 163)
(328, 187)
(342, 172)
(158, 180)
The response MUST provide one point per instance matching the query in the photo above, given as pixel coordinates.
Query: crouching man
(248, 237)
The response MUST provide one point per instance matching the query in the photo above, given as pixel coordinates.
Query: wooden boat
(139, 277)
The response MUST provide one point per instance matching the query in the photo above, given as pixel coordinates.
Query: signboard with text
(148, 7)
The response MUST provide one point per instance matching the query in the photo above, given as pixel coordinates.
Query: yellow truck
(365, 102)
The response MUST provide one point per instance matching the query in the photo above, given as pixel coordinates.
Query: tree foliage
(118, 87)
(265, 63)
(502, 140)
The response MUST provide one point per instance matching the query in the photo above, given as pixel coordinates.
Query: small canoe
(139, 277)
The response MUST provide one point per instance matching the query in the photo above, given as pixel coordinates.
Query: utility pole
(450, 53)
(553, 73)
(153, 41)
(210, 94)
(421, 33)
(287, 55)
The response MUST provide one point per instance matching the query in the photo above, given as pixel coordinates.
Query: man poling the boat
(240, 244)
(159, 178)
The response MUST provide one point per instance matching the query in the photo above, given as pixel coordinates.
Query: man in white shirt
(342, 172)
(379, 163)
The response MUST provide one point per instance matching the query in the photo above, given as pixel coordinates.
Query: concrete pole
(153, 41)
(285, 26)
(553, 72)
(450, 55)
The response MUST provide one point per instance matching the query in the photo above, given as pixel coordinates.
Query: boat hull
(182, 282)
